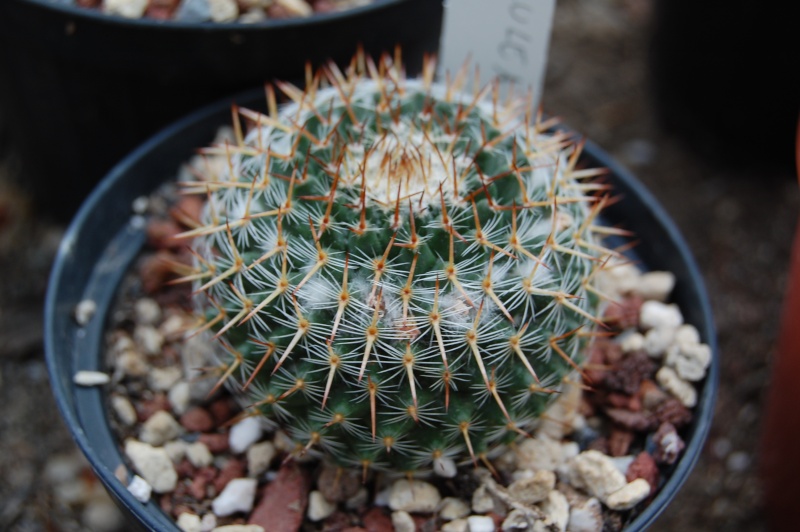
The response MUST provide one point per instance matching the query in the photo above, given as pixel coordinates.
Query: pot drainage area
(740, 228)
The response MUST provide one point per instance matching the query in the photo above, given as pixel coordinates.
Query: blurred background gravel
(739, 225)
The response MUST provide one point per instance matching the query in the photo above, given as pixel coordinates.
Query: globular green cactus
(398, 272)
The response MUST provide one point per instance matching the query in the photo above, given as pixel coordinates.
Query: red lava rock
(88, 3)
(222, 410)
(282, 506)
(197, 419)
(636, 421)
(178, 509)
(602, 354)
(627, 375)
(278, 11)
(148, 407)
(618, 400)
(674, 412)
(216, 443)
(619, 441)
(643, 466)
(157, 12)
(208, 472)
(668, 444)
(354, 529)
(197, 489)
(188, 209)
(185, 469)
(323, 6)
(234, 468)
(599, 444)
(377, 521)
(624, 315)
(165, 503)
(161, 234)
(498, 520)
(586, 408)
(337, 522)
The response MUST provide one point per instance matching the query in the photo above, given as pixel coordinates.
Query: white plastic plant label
(507, 39)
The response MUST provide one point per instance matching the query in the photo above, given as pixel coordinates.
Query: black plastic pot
(80, 89)
(103, 240)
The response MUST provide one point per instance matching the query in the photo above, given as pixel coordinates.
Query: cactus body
(398, 273)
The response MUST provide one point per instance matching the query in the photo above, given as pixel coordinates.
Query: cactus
(398, 273)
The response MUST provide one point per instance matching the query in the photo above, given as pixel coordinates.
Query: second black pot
(79, 89)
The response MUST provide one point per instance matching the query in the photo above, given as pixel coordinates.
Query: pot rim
(317, 19)
(703, 411)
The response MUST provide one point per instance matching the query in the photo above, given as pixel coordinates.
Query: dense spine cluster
(397, 272)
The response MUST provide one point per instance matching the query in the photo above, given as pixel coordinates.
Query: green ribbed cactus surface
(397, 272)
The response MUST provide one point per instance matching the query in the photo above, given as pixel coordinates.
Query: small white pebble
(189, 522)
(176, 449)
(556, 510)
(414, 496)
(457, 525)
(630, 341)
(208, 523)
(453, 508)
(148, 339)
(147, 311)
(687, 334)
(140, 204)
(259, 457)
(140, 489)
(403, 522)
(480, 523)
(91, 378)
(101, 515)
(629, 496)
(130, 363)
(657, 314)
(444, 467)
(690, 361)
(239, 528)
(153, 464)
(160, 428)
(198, 454)
(483, 501)
(622, 462)
(319, 507)
(534, 489)
(137, 222)
(299, 8)
(124, 410)
(237, 496)
(657, 340)
(179, 397)
(223, 10)
(679, 388)
(244, 434)
(596, 473)
(125, 8)
(163, 379)
(738, 461)
(84, 311)
(382, 497)
(586, 516)
(656, 285)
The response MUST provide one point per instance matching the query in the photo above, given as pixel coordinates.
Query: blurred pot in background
(80, 88)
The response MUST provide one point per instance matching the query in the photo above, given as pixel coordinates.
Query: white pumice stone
(124, 410)
(457, 525)
(318, 507)
(656, 285)
(239, 528)
(140, 205)
(534, 489)
(259, 457)
(198, 454)
(483, 501)
(130, 363)
(91, 378)
(189, 522)
(480, 523)
(298, 8)
(160, 428)
(403, 522)
(676, 386)
(630, 341)
(244, 434)
(516, 521)
(556, 510)
(539, 453)
(163, 379)
(586, 516)
(629, 496)
(223, 10)
(193, 11)
(620, 279)
(690, 361)
(414, 496)
(140, 489)
(445, 467)
(656, 314)
(237, 496)
(595, 473)
(658, 339)
(125, 8)
(179, 397)
(209, 522)
(687, 335)
(153, 464)
(148, 339)
(84, 311)
(453, 508)
(176, 449)
(147, 311)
